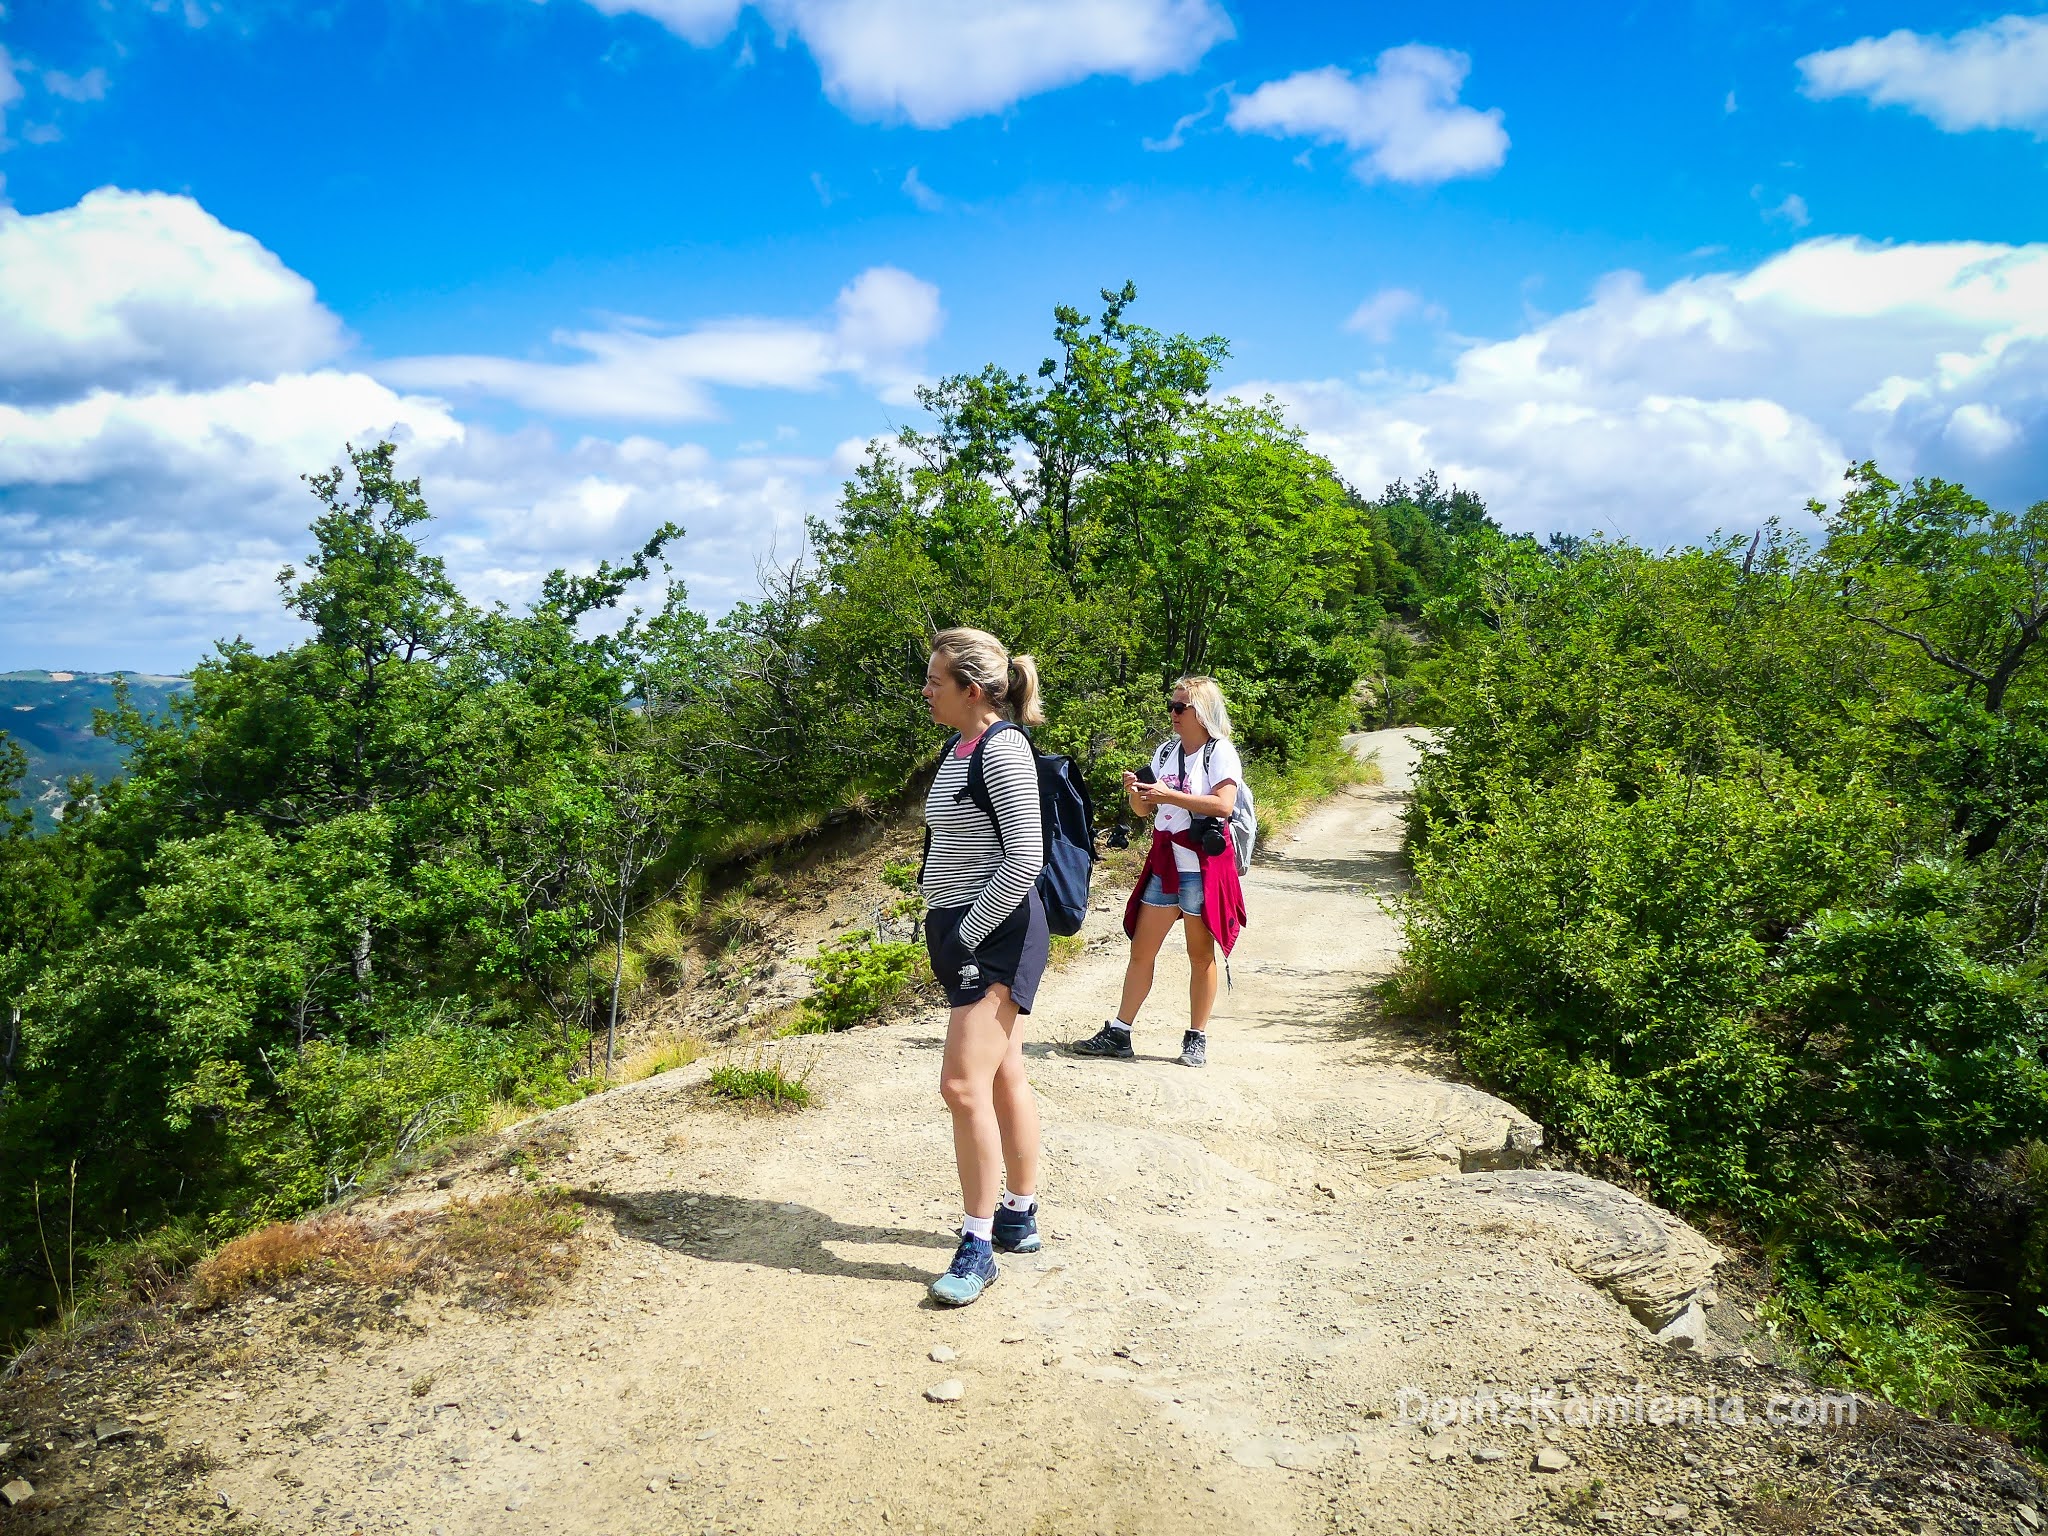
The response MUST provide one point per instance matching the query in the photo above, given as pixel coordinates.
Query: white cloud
(128, 289)
(1381, 315)
(1993, 76)
(702, 22)
(883, 318)
(1791, 208)
(934, 62)
(915, 189)
(150, 458)
(1726, 398)
(90, 86)
(1401, 119)
(10, 90)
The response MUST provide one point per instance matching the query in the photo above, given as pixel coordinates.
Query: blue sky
(1651, 269)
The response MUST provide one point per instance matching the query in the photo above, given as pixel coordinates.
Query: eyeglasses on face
(1180, 706)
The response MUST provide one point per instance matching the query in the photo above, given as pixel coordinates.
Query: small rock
(2030, 1515)
(944, 1354)
(1489, 1454)
(1014, 1338)
(446, 1181)
(948, 1391)
(653, 1486)
(1676, 1514)
(106, 1431)
(1551, 1459)
(16, 1491)
(1690, 1458)
(518, 1432)
(1441, 1447)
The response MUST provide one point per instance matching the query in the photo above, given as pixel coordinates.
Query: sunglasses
(1180, 707)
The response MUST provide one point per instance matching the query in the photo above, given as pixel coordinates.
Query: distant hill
(50, 714)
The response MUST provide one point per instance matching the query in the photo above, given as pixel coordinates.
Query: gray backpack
(1244, 816)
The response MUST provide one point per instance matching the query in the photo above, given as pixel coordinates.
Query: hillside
(50, 714)
(1252, 1272)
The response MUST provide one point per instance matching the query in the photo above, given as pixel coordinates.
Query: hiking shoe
(1194, 1049)
(1017, 1231)
(973, 1271)
(1105, 1042)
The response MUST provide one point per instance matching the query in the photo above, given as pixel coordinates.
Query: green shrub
(854, 978)
(1864, 1316)
(760, 1081)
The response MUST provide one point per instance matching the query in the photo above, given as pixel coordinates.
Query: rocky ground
(1318, 1286)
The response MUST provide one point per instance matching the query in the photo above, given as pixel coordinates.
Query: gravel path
(1246, 1267)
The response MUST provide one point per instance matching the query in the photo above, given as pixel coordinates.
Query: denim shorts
(1190, 899)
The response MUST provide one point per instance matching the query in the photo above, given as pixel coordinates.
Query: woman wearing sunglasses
(1187, 879)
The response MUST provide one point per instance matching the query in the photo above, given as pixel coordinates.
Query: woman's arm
(1011, 774)
(1221, 803)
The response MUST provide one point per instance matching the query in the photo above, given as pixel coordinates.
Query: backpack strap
(976, 787)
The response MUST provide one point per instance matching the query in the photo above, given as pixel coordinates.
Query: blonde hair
(1206, 695)
(976, 657)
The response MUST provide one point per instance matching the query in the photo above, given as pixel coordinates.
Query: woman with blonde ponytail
(985, 929)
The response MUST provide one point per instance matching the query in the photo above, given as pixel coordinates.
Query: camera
(1209, 836)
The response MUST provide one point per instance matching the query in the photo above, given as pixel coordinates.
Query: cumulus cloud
(883, 318)
(935, 62)
(1401, 119)
(1993, 76)
(165, 382)
(1727, 398)
(129, 289)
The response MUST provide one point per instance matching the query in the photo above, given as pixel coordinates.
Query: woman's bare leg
(978, 1037)
(1154, 924)
(1202, 973)
(1017, 1115)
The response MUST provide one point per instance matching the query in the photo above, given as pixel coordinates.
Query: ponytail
(1020, 698)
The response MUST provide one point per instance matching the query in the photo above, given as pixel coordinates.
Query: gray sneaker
(1194, 1048)
(1106, 1041)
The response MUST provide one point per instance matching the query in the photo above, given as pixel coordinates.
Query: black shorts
(1014, 954)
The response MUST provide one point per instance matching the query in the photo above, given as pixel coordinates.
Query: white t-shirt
(1222, 766)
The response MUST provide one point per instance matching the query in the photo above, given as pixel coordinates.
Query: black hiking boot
(1106, 1041)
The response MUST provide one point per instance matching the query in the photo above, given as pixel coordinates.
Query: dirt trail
(1246, 1265)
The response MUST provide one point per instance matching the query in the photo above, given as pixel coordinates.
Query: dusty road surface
(1246, 1266)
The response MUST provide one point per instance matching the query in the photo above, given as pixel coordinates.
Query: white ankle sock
(983, 1227)
(1013, 1201)
(1120, 1024)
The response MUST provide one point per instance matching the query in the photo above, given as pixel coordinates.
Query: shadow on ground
(727, 1229)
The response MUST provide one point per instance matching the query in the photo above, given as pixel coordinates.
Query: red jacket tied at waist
(1222, 892)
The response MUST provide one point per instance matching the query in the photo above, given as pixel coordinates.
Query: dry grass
(661, 1052)
(511, 1247)
(1776, 1509)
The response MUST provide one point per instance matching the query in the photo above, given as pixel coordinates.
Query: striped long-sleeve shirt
(969, 865)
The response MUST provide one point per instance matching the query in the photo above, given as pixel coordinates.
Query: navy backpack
(1066, 819)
